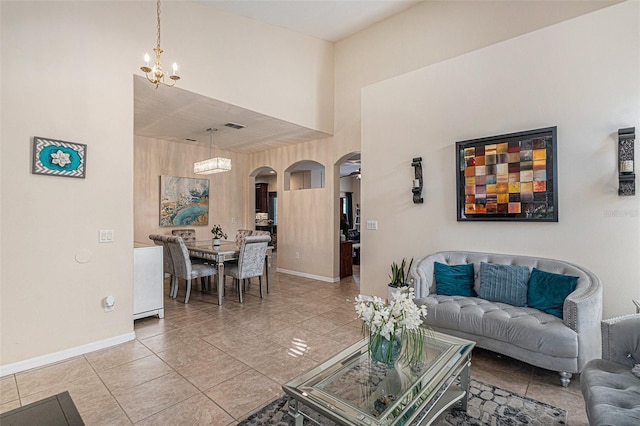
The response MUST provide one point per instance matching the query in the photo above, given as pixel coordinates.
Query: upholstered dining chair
(187, 234)
(159, 240)
(184, 268)
(241, 235)
(253, 251)
(257, 232)
(189, 237)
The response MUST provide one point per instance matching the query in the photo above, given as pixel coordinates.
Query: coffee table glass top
(349, 387)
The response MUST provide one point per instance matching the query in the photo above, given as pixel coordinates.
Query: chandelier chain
(158, 9)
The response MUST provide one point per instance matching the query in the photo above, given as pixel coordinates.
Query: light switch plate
(372, 225)
(106, 236)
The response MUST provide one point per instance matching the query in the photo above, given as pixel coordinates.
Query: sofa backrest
(424, 282)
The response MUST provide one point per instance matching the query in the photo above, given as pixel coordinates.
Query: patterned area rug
(488, 405)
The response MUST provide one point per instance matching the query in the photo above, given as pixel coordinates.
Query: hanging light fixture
(155, 75)
(212, 165)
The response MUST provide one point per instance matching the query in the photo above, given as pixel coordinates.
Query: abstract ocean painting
(184, 201)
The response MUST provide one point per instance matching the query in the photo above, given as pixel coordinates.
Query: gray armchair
(611, 391)
(250, 261)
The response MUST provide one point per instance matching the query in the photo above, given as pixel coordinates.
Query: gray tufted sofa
(611, 392)
(564, 345)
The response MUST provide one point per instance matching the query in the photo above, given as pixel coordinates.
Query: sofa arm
(621, 339)
(582, 312)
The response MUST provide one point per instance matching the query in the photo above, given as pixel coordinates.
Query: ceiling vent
(235, 125)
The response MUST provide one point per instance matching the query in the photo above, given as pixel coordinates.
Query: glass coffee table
(350, 389)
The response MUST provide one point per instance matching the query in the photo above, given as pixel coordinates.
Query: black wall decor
(511, 177)
(626, 168)
(417, 182)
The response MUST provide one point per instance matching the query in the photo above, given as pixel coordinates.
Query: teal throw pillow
(454, 280)
(547, 291)
(504, 283)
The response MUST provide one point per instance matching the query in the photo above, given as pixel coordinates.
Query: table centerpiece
(395, 330)
(217, 234)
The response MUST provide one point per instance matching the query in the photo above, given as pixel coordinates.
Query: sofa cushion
(524, 327)
(547, 291)
(504, 283)
(454, 280)
(611, 393)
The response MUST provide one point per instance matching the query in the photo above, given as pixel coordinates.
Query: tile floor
(205, 364)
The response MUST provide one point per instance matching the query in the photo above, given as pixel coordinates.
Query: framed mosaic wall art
(511, 177)
(183, 201)
(58, 158)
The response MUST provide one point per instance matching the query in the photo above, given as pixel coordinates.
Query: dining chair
(167, 263)
(253, 251)
(241, 235)
(187, 234)
(184, 268)
(257, 232)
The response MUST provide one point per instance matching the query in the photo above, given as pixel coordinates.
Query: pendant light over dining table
(212, 165)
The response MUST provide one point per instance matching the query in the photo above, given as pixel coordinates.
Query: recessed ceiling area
(182, 116)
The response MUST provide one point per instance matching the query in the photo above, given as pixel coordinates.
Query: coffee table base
(448, 395)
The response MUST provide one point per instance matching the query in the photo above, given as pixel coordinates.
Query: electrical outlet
(109, 303)
(297, 255)
(233, 220)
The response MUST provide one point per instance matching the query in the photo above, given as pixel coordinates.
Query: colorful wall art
(184, 201)
(508, 177)
(58, 158)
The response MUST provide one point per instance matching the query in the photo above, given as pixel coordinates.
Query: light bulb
(175, 68)
(146, 59)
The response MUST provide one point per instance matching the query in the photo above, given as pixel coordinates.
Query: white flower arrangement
(401, 319)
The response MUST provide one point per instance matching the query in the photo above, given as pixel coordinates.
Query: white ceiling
(178, 115)
(330, 20)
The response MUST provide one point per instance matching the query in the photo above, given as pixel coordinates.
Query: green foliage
(217, 232)
(400, 273)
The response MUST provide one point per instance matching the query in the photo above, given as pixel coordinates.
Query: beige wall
(306, 225)
(67, 73)
(588, 85)
(78, 86)
(427, 33)
(154, 157)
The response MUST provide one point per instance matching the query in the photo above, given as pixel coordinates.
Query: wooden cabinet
(262, 204)
(346, 259)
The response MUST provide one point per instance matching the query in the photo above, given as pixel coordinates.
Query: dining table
(227, 251)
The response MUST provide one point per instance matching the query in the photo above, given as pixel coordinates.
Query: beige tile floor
(214, 365)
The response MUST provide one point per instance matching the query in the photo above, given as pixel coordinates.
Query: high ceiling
(181, 116)
(330, 20)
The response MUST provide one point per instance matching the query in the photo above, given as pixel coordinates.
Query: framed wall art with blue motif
(59, 158)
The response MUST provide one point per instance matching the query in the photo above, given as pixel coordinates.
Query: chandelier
(155, 75)
(212, 165)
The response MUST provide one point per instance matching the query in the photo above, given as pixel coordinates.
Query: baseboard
(39, 361)
(305, 275)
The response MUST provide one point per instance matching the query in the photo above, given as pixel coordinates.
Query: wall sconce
(626, 175)
(417, 182)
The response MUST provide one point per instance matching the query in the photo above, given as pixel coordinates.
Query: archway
(349, 170)
(306, 174)
(265, 205)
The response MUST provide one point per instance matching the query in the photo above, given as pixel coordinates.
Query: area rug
(488, 405)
